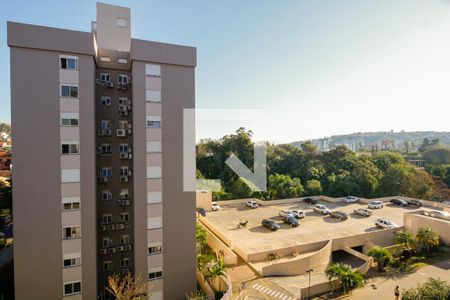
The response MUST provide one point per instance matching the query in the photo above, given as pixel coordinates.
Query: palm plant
(335, 271)
(214, 271)
(406, 238)
(351, 280)
(427, 237)
(381, 256)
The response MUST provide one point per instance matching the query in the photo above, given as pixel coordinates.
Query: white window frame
(72, 282)
(108, 264)
(152, 70)
(154, 147)
(105, 100)
(107, 219)
(70, 144)
(108, 241)
(75, 260)
(124, 238)
(158, 246)
(127, 259)
(71, 201)
(155, 271)
(124, 217)
(70, 117)
(70, 87)
(66, 57)
(153, 96)
(77, 235)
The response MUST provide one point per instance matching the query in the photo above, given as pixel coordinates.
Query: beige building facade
(98, 187)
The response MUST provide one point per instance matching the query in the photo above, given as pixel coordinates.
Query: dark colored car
(291, 220)
(341, 215)
(414, 202)
(310, 200)
(399, 202)
(201, 211)
(271, 224)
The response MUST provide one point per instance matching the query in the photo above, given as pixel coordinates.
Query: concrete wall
(414, 221)
(204, 200)
(318, 261)
(382, 238)
(219, 247)
(213, 229)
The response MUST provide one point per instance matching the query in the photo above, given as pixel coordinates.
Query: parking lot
(314, 227)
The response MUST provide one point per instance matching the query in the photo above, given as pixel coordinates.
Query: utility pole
(309, 282)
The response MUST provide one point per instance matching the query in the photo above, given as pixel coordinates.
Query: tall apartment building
(98, 141)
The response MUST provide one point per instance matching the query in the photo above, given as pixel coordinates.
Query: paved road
(383, 287)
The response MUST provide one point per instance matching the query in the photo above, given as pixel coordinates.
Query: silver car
(363, 212)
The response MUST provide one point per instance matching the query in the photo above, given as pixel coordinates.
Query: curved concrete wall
(318, 261)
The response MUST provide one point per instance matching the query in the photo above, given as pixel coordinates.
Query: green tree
(432, 289)
(314, 187)
(128, 288)
(242, 188)
(214, 271)
(347, 279)
(437, 155)
(282, 186)
(335, 271)
(381, 256)
(427, 237)
(406, 238)
(200, 237)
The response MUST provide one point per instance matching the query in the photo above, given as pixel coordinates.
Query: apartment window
(71, 232)
(125, 239)
(122, 78)
(105, 100)
(70, 149)
(105, 124)
(122, 22)
(107, 242)
(107, 195)
(69, 63)
(106, 218)
(106, 172)
(106, 148)
(123, 124)
(124, 217)
(122, 60)
(72, 288)
(125, 262)
(152, 96)
(71, 203)
(155, 275)
(154, 146)
(105, 59)
(154, 248)
(124, 171)
(123, 148)
(107, 265)
(154, 197)
(69, 119)
(153, 70)
(123, 101)
(153, 121)
(72, 262)
(105, 76)
(70, 91)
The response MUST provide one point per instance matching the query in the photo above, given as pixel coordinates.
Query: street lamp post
(309, 282)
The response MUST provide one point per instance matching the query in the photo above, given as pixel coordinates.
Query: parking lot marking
(270, 292)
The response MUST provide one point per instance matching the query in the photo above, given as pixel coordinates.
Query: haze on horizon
(317, 68)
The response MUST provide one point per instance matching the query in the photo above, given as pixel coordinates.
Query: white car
(298, 214)
(321, 209)
(215, 206)
(363, 212)
(375, 204)
(252, 204)
(437, 214)
(350, 199)
(385, 223)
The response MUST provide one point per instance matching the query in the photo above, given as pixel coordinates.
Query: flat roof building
(98, 141)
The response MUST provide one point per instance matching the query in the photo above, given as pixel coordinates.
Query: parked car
(201, 211)
(437, 214)
(363, 212)
(285, 212)
(414, 202)
(291, 220)
(375, 204)
(215, 206)
(299, 214)
(321, 209)
(252, 204)
(310, 200)
(341, 215)
(270, 224)
(350, 199)
(399, 202)
(385, 223)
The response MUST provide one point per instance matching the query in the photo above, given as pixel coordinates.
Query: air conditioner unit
(111, 227)
(98, 81)
(120, 248)
(111, 250)
(123, 155)
(123, 178)
(103, 179)
(123, 113)
(102, 251)
(119, 202)
(104, 228)
(129, 131)
(130, 173)
(124, 196)
(109, 84)
(120, 226)
(122, 107)
(126, 202)
(100, 132)
(128, 247)
(130, 156)
(107, 132)
(121, 132)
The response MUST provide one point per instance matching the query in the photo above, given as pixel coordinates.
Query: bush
(432, 289)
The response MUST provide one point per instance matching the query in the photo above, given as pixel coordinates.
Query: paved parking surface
(314, 227)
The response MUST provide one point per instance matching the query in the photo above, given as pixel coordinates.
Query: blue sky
(318, 68)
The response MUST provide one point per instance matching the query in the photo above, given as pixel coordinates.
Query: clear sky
(318, 68)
